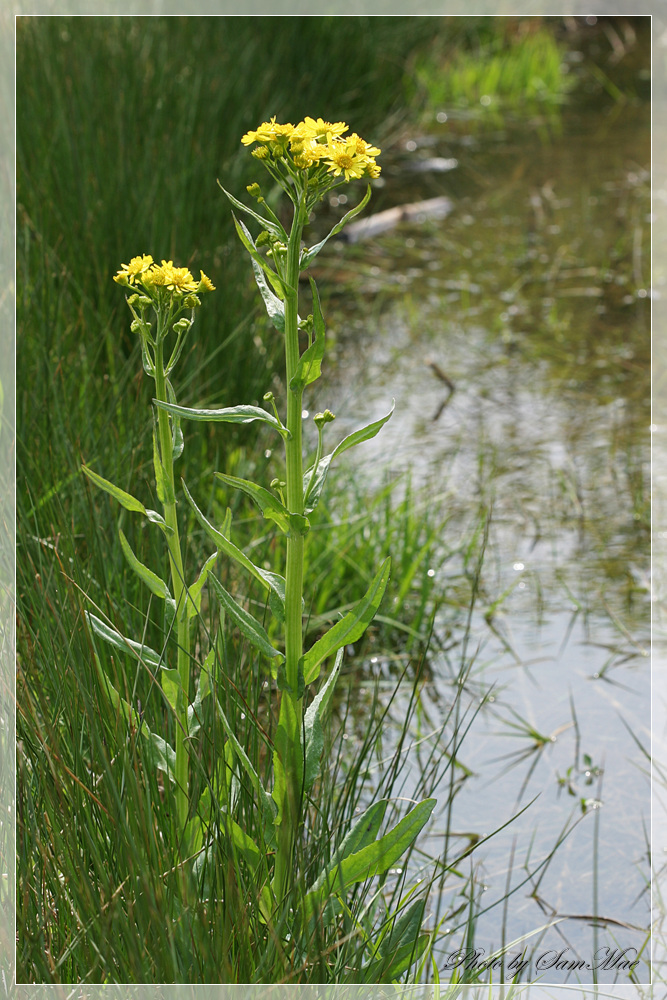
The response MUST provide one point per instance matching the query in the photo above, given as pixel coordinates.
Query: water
(530, 300)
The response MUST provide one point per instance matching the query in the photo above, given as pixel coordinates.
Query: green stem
(291, 720)
(179, 588)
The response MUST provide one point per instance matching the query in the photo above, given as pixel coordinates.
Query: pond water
(514, 336)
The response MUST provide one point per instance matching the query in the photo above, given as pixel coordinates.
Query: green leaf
(273, 581)
(195, 591)
(176, 432)
(287, 732)
(308, 256)
(203, 690)
(159, 753)
(126, 499)
(143, 653)
(172, 688)
(228, 414)
(158, 468)
(274, 306)
(248, 625)
(154, 583)
(269, 504)
(309, 367)
(278, 285)
(244, 844)
(364, 832)
(314, 733)
(357, 437)
(374, 858)
(350, 628)
(268, 806)
(271, 227)
(401, 946)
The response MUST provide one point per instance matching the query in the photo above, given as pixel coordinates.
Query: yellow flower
(351, 156)
(175, 279)
(268, 132)
(306, 152)
(342, 158)
(205, 283)
(137, 266)
(362, 147)
(311, 128)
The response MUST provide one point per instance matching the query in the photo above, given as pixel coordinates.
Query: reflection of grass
(494, 70)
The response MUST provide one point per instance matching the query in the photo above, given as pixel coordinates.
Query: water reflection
(514, 335)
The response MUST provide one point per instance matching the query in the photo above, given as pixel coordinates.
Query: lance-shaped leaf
(177, 442)
(269, 504)
(143, 653)
(275, 307)
(309, 367)
(154, 583)
(312, 493)
(203, 690)
(273, 581)
(279, 286)
(314, 733)
(228, 414)
(195, 591)
(126, 499)
(173, 689)
(284, 758)
(308, 256)
(266, 803)
(158, 752)
(364, 832)
(245, 845)
(350, 628)
(401, 946)
(163, 488)
(372, 859)
(247, 624)
(272, 226)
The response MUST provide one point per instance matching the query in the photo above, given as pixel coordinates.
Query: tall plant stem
(179, 588)
(290, 720)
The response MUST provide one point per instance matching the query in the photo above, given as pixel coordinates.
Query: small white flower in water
(304, 414)
(242, 716)
(374, 659)
(431, 572)
(267, 453)
(518, 567)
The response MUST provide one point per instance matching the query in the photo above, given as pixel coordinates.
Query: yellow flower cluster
(164, 275)
(314, 142)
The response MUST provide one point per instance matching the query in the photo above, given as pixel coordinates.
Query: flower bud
(121, 278)
(268, 397)
(263, 239)
(181, 326)
(324, 418)
(191, 301)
